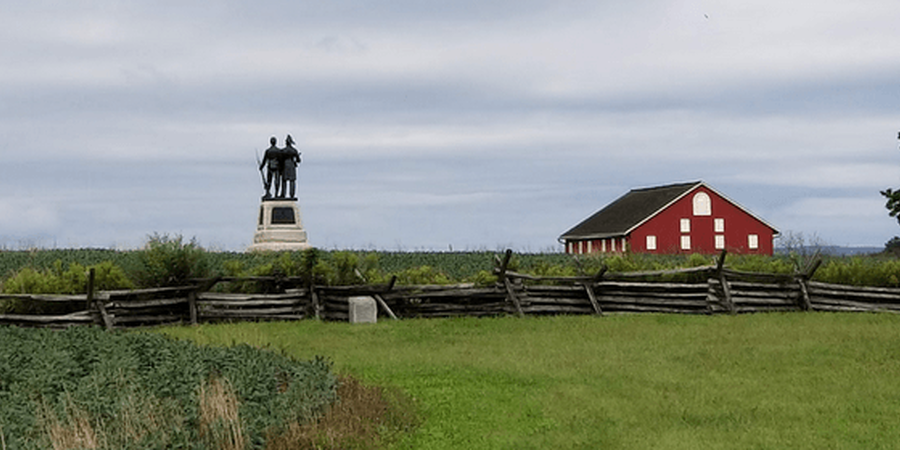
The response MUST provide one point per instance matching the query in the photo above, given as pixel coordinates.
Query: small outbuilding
(677, 218)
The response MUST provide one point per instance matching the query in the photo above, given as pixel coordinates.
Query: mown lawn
(621, 382)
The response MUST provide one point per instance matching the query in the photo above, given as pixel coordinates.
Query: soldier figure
(273, 159)
(291, 157)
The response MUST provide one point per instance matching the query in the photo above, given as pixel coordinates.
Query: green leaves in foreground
(140, 390)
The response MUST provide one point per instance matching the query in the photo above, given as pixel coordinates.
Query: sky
(438, 125)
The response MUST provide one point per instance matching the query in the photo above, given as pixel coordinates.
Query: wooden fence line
(725, 291)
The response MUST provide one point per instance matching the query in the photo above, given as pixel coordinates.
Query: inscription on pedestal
(282, 216)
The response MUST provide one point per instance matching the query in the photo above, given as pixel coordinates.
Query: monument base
(280, 227)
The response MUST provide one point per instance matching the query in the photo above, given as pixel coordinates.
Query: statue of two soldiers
(281, 166)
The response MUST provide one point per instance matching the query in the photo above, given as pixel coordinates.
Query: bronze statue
(272, 159)
(289, 167)
(282, 169)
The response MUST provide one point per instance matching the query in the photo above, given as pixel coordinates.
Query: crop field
(339, 267)
(803, 381)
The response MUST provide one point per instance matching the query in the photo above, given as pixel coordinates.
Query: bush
(860, 271)
(169, 261)
(73, 280)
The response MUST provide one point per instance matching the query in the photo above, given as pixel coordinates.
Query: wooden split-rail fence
(719, 290)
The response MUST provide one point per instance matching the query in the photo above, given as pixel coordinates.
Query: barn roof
(628, 211)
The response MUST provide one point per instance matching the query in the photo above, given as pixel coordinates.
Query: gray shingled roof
(620, 216)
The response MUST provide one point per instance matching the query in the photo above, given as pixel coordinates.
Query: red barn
(678, 218)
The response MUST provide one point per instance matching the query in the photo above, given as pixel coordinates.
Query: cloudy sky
(427, 124)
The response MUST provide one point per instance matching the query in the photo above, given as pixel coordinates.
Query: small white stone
(363, 309)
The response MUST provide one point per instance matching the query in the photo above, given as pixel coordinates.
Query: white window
(685, 225)
(702, 205)
(623, 244)
(603, 245)
(753, 241)
(720, 241)
(569, 247)
(580, 247)
(651, 242)
(590, 246)
(612, 244)
(685, 242)
(719, 225)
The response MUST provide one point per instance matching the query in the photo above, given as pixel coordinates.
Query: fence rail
(724, 292)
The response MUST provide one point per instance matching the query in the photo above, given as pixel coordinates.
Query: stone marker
(363, 310)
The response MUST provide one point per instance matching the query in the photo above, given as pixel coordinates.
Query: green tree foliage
(170, 261)
(893, 202)
(892, 247)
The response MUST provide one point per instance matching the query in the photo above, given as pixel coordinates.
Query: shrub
(860, 271)
(483, 278)
(73, 280)
(169, 261)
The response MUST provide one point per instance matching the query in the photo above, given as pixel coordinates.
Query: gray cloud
(426, 124)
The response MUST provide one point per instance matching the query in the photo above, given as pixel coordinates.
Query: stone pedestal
(279, 227)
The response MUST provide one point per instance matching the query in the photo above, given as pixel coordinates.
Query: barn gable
(684, 217)
(628, 211)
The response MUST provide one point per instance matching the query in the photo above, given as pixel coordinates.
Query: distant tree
(892, 246)
(893, 200)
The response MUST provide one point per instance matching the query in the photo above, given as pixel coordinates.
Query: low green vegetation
(67, 280)
(803, 381)
(171, 260)
(86, 388)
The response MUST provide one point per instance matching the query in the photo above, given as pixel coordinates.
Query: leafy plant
(169, 261)
(72, 280)
(137, 390)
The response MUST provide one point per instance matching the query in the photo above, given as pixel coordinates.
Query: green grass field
(807, 381)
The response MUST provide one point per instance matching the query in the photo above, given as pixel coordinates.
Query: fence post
(315, 299)
(501, 270)
(377, 296)
(205, 286)
(503, 279)
(726, 291)
(803, 280)
(98, 304)
(383, 303)
(108, 320)
(589, 288)
(192, 306)
(89, 295)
